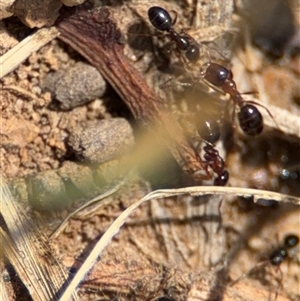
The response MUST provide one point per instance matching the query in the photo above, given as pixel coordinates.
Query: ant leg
(256, 267)
(167, 83)
(279, 283)
(207, 53)
(208, 175)
(175, 18)
(226, 110)
(170, 83)
(220, 215)
(250, 93)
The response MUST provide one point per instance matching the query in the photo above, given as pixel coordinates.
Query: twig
(113, 187)
(95, 35)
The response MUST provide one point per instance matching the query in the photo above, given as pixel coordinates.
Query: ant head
(216, 74)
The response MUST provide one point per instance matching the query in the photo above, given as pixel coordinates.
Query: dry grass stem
(188, 243)
(29, 251)
(18, 54)
(158, 194)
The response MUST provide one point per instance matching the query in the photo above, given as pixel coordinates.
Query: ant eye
(250, 120)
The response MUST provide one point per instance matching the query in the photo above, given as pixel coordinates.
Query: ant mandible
(162, 21)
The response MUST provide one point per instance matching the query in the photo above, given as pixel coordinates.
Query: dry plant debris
(180, 245)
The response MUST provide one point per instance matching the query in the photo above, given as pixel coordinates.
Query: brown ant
(162, 21)
(276, 258)
(250, 119)
(209, 131)
(217, 164)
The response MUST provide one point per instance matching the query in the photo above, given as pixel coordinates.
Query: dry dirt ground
(176, 248)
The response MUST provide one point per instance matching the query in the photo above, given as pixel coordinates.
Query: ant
(209, 131)
(250, 119)
(281, 253)
(217, 164)
(277, 257)
(162, 21)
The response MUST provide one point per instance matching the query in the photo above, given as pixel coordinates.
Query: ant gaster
(250, 119)
(162, 21)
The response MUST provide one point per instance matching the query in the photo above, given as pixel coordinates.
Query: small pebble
(102, 140)
(75, 86)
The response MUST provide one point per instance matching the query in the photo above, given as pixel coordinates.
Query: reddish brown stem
(95, 35)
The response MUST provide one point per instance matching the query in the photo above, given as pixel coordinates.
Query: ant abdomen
(192, 53)
(209, 131)
(250, 120)
(222, 179)
(160, 18)
(291, 241)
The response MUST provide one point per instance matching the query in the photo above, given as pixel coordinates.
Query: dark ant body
(277, 257)
(209, 131)
(162, 21)
(281, 253)
(250, 119)
(217, 164)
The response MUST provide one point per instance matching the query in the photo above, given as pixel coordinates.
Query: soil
(176, 248)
